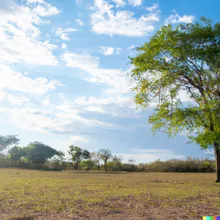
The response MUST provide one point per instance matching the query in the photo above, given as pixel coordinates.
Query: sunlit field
(28, 194)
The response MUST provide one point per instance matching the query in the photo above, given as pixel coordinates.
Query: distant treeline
(187, 165)
(37, 155)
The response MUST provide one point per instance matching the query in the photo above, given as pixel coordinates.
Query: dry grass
(28, 195)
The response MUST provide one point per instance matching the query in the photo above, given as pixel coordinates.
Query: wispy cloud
(64, 33)
(115, 78)
(17, 81)
(79, 22)
(150, 155)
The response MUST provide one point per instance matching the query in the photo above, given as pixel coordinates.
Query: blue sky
(63, 73)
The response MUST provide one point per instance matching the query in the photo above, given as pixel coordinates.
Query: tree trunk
(106, 166)
(217, 159)
(76, 166)
(98, 166)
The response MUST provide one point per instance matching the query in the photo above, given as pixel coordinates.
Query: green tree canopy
(178, 61)
(78, 154)
(38, 152)
(16, 152)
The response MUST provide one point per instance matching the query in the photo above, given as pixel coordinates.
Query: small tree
(96, 158)
(78, 154)
(105, 155)
(116, 163)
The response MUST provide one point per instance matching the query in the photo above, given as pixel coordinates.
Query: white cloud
(118, 50)
(152, 8)
(81, 61)
(43, 9)
(135, 2)
(117, 105)
(63, 46)
(46, 101)
(36, 1)
(105, 21)
(16, 100)
(78, 139)
(9, 79)
(62, 116)
(79, 22)
(2, 95)
(175, 18)
(46, 10)
(19, 37)
(63, 33)
(119, 3)
(109, 50)
(150, 155)
(116, 79)
(132, 47)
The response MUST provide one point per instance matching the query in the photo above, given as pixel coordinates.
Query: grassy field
(27, 194)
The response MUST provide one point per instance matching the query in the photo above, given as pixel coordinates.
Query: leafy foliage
(78, 154)
(8, 140)
(184, 59)
(16, 153)
(38, 152)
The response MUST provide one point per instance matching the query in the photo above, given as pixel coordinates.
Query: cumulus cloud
(109, 50)
(19, 36)
(175, 18)
(105, 21)
(64, 33)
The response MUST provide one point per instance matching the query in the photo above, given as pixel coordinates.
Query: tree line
(37, 155)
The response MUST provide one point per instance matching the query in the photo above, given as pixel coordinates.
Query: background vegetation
(37, 155)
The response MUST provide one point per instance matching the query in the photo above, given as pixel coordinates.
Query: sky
(64, 68)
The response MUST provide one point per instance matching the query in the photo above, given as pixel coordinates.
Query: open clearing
(30, 194)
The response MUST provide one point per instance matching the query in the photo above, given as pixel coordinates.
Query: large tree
(78, 154)
(105, 155)
(179, 62)
(38, 152)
